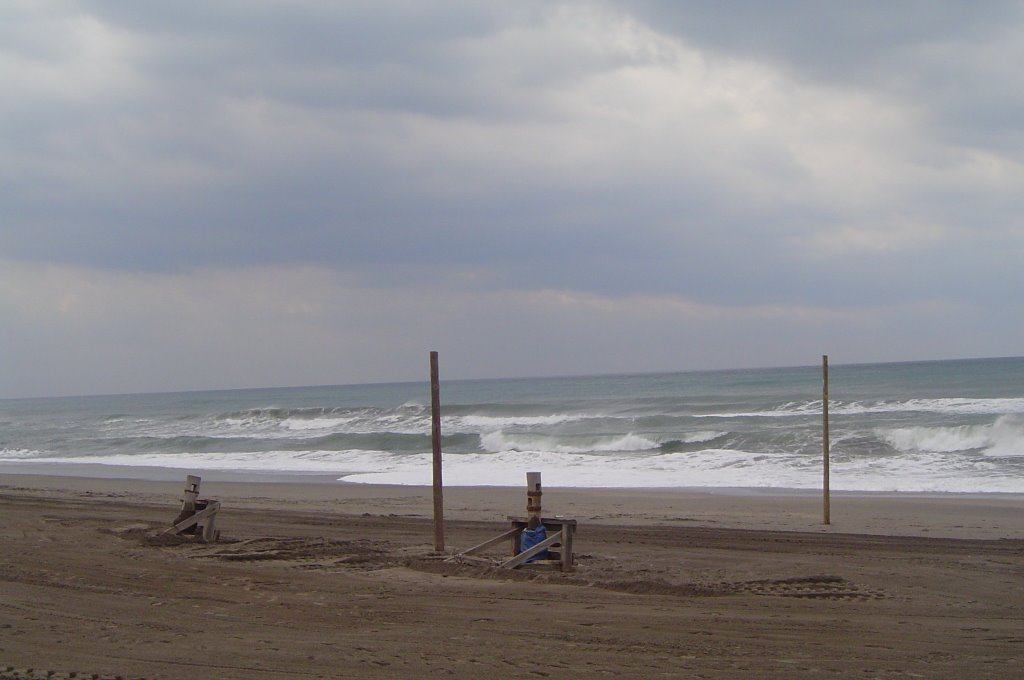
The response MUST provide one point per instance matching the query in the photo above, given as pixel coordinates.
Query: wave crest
(499, 442)
(1004, 437)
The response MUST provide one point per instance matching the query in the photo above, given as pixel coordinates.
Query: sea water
(943, 426)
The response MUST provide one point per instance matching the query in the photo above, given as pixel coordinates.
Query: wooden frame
(195, 510)
(562, 531)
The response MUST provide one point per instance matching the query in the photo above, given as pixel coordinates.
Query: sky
(220, 194)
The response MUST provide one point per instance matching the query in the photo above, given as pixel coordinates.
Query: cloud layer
(530, 188)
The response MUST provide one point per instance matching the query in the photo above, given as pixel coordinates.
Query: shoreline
(969, 516)
(143, 473)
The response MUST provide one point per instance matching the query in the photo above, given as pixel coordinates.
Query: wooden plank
(567, 536)
(490, 543)
(210, 510)
(546, 521)
(514, 534)
(482, 561)
(522, 557)
(210, 532)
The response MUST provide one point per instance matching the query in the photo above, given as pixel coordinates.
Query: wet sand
(313, 578)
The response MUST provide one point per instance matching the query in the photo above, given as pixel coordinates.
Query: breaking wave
(757, 428)
(1004, 437)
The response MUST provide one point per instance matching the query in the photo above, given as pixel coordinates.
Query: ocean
(936, 426)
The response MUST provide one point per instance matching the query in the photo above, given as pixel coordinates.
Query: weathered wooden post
(435, 440)
(195, 510)
(188, 501)
(533, 495)
(824, 427)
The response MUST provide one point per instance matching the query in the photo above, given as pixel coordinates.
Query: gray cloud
(954, 60)
(851, 156)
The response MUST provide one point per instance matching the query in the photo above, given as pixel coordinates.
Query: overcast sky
(205, 194)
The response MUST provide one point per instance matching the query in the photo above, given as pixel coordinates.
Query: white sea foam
(963, 406)
(954, 406)
(918, 472)
(703, 436)
(327, 462)
(938, 439)
(925, 472)
(1004, 437)
(499, 441)
(315, 424)
(481, 422)
(709, 468)
(403, 421)
(18, 454)
(1007, 438)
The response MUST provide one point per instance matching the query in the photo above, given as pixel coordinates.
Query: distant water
(946, 426)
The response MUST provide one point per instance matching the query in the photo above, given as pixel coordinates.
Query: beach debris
(195, 510)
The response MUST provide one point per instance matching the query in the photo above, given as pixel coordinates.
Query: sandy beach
(319, 579)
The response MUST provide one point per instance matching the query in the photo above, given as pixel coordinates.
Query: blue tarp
(530, 538)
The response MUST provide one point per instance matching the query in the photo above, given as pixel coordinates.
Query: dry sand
(314, 579)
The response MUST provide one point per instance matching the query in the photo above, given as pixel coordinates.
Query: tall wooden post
(188, 503)
(533, 495)
(435, 440)
(824, 427)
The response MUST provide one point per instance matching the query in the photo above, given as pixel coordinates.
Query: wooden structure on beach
(558, 544)
(559, 530)
(195, 510)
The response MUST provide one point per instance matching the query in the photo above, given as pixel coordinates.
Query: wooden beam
(210, 531)
(471, 559)
(522, 557)
(490, 543)
(533, 494)
(568, 529)
(209, 511)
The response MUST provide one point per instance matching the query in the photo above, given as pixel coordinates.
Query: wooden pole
(435, 440)
(533, 495)
(824, 427)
